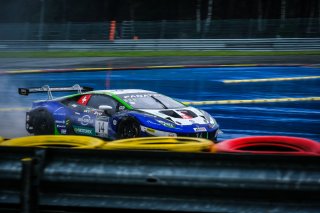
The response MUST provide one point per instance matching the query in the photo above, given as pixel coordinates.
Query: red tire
(270, 145)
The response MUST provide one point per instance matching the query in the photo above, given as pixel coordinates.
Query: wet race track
(290, 118)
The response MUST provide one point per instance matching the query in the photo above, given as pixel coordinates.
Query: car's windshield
(150, 101)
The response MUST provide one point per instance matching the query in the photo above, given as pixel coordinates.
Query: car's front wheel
(129, 128)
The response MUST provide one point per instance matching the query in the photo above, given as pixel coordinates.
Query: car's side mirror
(106, 108)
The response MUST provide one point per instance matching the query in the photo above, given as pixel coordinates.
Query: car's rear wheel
(43, 122)
(129, 128)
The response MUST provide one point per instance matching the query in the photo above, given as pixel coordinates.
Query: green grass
(60, 54)
(63, 54)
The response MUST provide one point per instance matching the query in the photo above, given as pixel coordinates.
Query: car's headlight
(166, 124)
(209, 118)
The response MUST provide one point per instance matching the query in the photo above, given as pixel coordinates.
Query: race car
(115, 114)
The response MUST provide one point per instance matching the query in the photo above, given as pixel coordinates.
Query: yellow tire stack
(78, 142)
(176, 144)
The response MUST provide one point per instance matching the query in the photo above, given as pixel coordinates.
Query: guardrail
(164, 29)
(68, 179)
(271, 44)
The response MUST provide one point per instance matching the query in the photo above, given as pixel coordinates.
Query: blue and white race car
(116, 114)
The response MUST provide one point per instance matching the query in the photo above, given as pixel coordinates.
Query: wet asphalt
(15, 118)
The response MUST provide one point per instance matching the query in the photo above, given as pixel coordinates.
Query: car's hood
(181, 116)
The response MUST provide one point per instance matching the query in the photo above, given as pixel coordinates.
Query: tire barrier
(270, 145)
(177, 144)
(261, 44)
(96, 180)
(65, 141)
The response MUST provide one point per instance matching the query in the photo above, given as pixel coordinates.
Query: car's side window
(98, 100)
(72, 100)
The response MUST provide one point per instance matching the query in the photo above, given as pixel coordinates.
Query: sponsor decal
(200, 129)
(85, 120)
(101, 128)
(58, 113)
(121, 108)
(155, 132)
(63, 131)
(93, 111)
(60, 122)
(166, 124)
(97, 113)
(114, 122)
(151, 130)
(84, 100)
(140, 95)
(61, 126)
(151, 122)
(83, 130)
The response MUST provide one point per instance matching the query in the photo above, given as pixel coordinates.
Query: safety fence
(67, 179)
(271, 44)
(165, 29)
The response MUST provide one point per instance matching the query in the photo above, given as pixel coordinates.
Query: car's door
(83, 117)
(102, 119)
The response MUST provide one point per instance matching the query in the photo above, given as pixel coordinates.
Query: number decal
(101, 128)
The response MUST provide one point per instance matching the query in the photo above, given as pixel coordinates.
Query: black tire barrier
(96, 180)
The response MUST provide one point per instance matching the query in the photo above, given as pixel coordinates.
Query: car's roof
(122, 91)
(110, 93)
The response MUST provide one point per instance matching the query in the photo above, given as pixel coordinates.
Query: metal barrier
(271, 44)
(65, 179)
(164, 29)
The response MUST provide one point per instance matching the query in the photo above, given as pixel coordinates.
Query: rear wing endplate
(49, 90)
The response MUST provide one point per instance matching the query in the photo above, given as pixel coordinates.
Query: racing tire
(128, 128)
(43, 122)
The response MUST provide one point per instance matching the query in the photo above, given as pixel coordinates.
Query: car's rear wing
(49, 90)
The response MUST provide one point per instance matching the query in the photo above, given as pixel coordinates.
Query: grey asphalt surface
(116, 62)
